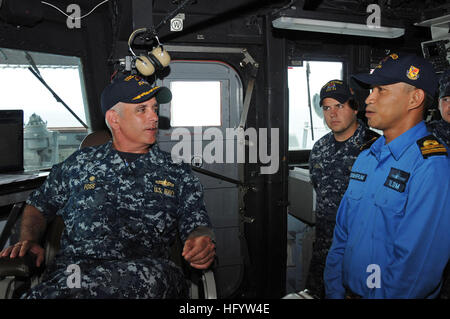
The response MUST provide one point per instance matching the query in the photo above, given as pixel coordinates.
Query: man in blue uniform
(330, 162)
(122, 204)
(391, 236)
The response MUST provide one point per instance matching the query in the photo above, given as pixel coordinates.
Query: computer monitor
(11, 140)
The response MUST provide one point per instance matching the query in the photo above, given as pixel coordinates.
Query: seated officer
(391, 236)
(122, 203)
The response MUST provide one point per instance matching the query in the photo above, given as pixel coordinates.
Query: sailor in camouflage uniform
(441, 128)
(122, 204)
(330, 163)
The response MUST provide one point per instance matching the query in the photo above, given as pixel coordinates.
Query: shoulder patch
(368, 144)
(430, 146)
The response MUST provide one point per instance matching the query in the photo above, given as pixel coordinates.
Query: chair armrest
(209, 284)
(19, 266)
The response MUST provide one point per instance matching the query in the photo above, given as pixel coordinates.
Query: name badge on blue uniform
(397, 180)
(358, 176)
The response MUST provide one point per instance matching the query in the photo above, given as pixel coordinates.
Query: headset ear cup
(161, 55)
(144, 65)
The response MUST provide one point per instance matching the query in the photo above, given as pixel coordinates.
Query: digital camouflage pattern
(120, 221)
(444, 84)
(330, 168)
(440, 129)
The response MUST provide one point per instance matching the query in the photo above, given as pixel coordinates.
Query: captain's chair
(95, 138)
(20, 274)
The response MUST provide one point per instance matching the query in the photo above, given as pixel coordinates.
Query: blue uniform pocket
(355, 193)
(390, 206)
(354, 198)
(391, 201)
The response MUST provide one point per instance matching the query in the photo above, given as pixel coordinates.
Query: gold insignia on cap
(92, 178)
(331, 86)
(413, 73)
(145, 93)
(394, 56)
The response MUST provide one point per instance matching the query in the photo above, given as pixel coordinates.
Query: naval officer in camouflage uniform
(330, 162)
(122, 204)
(441, 128)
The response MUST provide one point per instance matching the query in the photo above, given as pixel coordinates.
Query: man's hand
(32, 227)
(199, 252)
(21, 248)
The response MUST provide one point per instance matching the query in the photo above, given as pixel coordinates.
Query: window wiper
(33, 69)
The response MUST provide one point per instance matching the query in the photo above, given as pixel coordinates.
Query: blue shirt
(392, 237)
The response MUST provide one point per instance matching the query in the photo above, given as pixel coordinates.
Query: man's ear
(113, 118)
(417, 98)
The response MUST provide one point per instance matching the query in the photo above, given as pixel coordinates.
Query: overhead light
(326, 26)
(440, 26)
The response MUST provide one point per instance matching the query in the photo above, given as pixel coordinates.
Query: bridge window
(51, 131)
(306, 121)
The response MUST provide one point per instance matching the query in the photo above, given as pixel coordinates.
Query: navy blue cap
(132, 89)
(407, 68)
(335, 89)
(444, 84)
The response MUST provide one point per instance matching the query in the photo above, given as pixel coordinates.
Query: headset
(155, 60)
